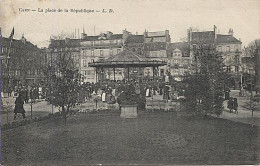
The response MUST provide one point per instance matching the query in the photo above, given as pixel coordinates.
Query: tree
(253, 51)
(63, 83)
(205, 87)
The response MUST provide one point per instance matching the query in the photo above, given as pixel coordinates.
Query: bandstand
(125, 59)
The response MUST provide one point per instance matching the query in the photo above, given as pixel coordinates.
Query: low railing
(124, 62)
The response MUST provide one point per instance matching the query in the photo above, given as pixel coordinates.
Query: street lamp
(251, 97)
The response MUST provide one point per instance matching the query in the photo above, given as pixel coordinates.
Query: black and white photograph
(129, 82)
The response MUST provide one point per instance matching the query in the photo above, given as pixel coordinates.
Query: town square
(130, 83)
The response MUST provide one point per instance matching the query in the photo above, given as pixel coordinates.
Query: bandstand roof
(126, 58)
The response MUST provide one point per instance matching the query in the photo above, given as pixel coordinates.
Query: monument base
(128, 111)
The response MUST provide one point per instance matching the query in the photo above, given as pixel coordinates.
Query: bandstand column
(153, 72)
(96, 74)
(102, 74)
(114, 73)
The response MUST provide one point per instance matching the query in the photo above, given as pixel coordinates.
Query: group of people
(29, 93)
(232, 105)
(24, 94)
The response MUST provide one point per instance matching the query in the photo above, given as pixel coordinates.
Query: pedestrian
(26, 95)
(243, 91)
(235, 105)
(19, 106)
(230, 104)
(227, 91)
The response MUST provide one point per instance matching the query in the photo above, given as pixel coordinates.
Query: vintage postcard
(117, 82)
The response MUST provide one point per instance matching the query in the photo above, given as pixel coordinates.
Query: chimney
(109, 34)
(231, 32)
(145, 33)
(189, 34)
(83, 35)
(23, 39)
(125, 35)
(215, 31)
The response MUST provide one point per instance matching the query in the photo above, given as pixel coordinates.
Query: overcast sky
(135, 15)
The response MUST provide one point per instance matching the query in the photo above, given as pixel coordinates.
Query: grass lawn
(158, 138)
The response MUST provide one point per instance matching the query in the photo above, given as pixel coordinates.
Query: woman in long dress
(19, 106)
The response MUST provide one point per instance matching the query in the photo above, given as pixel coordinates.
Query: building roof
(126, 58)
(227, 39)
(182, 46)
(64, 43)
(203, 37)
(134, 39)
(21, 44)
(73, 42)
(156, 46)
(112, 37)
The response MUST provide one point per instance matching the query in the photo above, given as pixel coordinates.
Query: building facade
(227, 45)
(22, 63)
(179, 62)
(230, 48)
(98, 48)
(69, 47)
(156, 46)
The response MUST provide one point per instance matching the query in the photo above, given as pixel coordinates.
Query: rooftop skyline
(135, 16)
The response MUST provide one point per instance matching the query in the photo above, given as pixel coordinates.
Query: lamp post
(251, 97)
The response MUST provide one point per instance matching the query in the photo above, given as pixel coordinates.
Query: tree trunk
(64, 114)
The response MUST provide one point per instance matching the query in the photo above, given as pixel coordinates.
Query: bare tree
(253, 51)
(63, 83)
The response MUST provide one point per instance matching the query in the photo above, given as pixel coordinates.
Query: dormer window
(220, 48)
(228, 48)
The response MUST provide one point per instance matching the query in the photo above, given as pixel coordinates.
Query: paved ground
(42, 108)
(244, 112)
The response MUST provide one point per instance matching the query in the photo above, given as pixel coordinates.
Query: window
(228, 48)
(92, 52)
(237, 59)
(118, 50)
(236, 69)
(236, 47)
(161, 72)
(92, 60)
(84, 54)
(194, 46)
(84, 63)
(228, 69)
(139, 51)
(220, 48)
(111, 52)
(101, 52)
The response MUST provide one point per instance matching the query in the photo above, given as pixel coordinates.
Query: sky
(136, 16)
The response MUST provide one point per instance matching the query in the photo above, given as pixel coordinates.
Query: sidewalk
(40, 108)
(244, 112)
